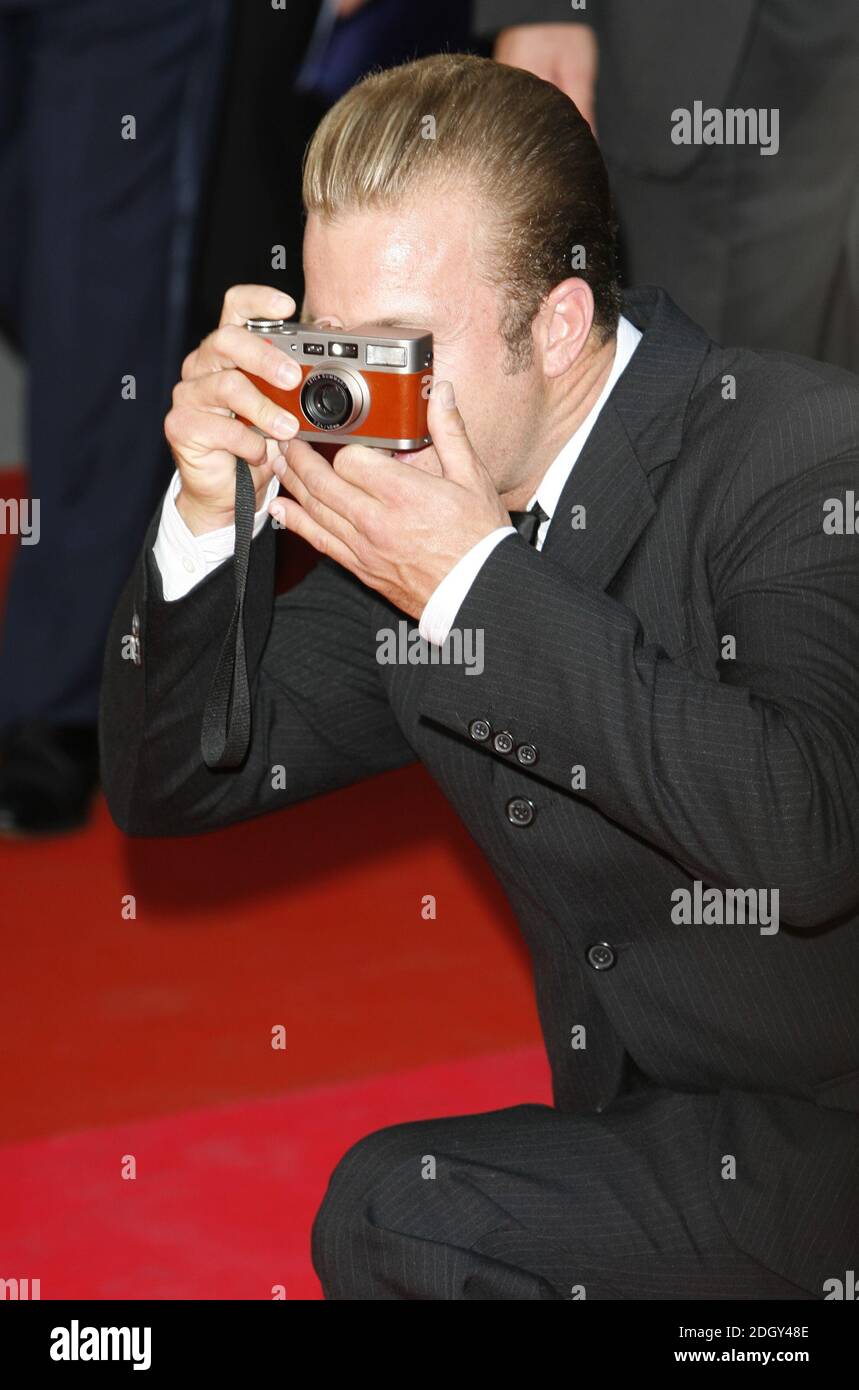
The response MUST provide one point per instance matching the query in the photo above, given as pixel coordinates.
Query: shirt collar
(556, 475)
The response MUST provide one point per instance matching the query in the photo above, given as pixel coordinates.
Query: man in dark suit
(757, 241)
(661, 728)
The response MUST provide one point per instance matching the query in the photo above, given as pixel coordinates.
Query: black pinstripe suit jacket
(705, 483)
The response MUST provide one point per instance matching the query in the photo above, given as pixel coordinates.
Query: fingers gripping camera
(359, 387)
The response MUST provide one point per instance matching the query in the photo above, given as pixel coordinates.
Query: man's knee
(345, 1229)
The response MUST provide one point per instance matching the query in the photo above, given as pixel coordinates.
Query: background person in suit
(611, 755)
(95, 246)
(97, 268)
(759, 249)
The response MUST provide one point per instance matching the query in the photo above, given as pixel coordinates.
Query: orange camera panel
(362, 386)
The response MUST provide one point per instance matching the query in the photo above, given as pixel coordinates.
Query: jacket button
(601, 956)
(527, 754)
(479, 730)
(503, 742)
(521, 811)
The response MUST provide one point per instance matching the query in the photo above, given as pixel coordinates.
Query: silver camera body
(364, 387)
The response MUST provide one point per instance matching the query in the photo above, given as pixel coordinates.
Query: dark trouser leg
(13, 78)
(763, 249)
(535, 1203)
(99, 302)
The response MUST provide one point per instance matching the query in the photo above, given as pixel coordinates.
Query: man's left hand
(399, 526)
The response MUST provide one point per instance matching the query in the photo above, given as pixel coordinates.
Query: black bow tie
(528, 523)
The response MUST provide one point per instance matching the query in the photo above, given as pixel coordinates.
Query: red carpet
(223, 1200)
(310, 920)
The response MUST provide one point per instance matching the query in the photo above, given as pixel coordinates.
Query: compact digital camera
(361, 387)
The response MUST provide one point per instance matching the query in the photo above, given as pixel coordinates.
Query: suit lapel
(639, 428)
(605, 505)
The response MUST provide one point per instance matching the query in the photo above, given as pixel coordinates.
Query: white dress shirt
(184, 559)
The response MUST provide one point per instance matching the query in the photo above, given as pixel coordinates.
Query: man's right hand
(201, 428)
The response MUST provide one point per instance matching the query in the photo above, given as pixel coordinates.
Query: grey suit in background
(759, 249)
(705, 1141)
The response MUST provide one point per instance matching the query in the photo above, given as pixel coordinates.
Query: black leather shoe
(48, 775)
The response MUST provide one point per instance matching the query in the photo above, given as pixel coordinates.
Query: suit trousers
(533, 1202)
(95, 252)
(763, 250)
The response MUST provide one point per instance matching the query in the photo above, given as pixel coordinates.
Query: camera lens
(328, 401)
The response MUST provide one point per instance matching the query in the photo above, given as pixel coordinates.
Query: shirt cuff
(183, 558)
(446, 600)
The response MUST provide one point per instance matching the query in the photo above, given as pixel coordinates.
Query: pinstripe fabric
(704, 511)
(532, 1203)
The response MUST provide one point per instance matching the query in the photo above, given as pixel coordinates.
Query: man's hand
(201, 428)
(565, 54)
(400, 527)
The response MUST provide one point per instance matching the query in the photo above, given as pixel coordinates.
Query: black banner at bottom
(160, 1338)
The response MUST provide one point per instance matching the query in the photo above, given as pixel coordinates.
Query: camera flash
(378, 356)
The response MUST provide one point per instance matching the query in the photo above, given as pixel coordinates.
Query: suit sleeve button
(503, 742)
(527, 754)
(479, 730)
(521, 811)
(601, 956)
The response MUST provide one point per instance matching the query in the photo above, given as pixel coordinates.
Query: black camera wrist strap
(226, 727)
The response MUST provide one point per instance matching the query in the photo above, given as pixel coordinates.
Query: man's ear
(563, 324)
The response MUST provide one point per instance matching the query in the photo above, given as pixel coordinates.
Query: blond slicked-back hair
(516, 141)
